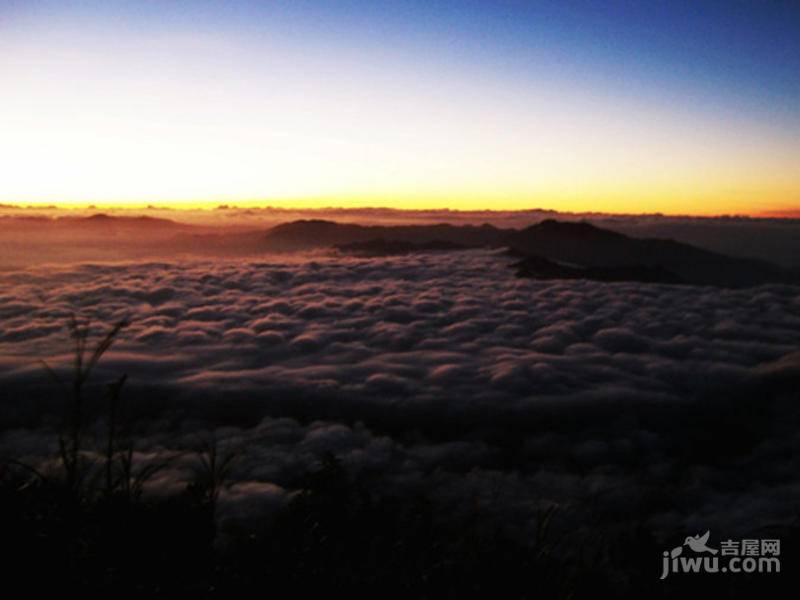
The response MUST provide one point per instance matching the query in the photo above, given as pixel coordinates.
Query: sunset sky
(675, 107)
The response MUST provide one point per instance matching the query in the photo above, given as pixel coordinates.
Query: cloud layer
(464, 379)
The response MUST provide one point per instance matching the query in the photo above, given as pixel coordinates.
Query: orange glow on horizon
(186, 119)
(768, 207)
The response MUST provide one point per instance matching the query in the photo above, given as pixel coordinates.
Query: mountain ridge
(587, 246)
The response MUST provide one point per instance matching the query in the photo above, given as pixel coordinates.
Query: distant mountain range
(550, 249)
(315, 233)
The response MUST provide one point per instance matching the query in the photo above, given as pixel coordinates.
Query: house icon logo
(696, 555)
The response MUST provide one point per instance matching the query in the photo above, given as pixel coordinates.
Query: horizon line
(212, 206)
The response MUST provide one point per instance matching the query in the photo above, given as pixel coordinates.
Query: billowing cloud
(441, 372)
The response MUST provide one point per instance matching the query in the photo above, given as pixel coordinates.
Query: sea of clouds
(439, 373)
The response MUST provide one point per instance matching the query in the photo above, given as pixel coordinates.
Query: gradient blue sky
(614, 106)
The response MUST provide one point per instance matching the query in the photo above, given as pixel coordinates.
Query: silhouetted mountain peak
(596, 252)
(311, 222)
(143, 222)
(572, 229)
(305, 234)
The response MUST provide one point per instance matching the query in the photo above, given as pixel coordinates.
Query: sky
(674, 107)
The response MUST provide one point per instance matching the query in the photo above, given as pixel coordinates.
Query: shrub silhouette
(96, 534)
(70, 439)
(212, 470)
